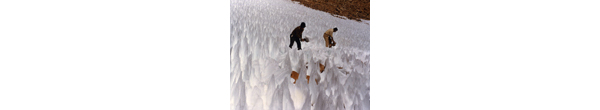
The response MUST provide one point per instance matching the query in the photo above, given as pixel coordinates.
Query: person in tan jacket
(328, 36)
(296, 36)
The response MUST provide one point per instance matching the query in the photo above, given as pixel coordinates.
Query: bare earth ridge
(351, 9)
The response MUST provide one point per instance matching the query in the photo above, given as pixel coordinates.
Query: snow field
(261, 61)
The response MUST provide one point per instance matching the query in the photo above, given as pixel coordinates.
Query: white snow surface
(261, 61)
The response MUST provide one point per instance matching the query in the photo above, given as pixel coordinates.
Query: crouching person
(328, 36)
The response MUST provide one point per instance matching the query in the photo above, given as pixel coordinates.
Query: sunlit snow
(261, 61)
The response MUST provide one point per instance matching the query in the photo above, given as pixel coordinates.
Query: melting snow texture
(261, 61)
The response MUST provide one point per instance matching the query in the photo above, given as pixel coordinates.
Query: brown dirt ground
(351, 9)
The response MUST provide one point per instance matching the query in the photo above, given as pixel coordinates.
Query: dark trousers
(292, 39)
(330, 41)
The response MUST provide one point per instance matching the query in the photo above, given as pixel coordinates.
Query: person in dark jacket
(296, 36)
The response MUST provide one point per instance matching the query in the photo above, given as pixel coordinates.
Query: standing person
(296, 36)
(328, 36)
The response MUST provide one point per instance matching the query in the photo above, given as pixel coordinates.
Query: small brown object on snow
(340, 68)
(295, 76)
(307, 79)
(307, 65)
(322, 67)
(305, 40)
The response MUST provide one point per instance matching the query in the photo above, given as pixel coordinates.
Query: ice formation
(261, 61)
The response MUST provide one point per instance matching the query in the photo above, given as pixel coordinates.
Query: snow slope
(261, 61)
